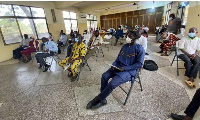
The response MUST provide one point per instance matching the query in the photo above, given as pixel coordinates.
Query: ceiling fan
(136, 4)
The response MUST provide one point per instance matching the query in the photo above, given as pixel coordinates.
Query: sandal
(164, 54)
(193, 83)
(70, 74)
(189, 83)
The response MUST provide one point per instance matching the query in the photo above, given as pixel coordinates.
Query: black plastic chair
(132, 82)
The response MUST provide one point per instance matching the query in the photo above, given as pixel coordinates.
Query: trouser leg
(115, 82)
(194, 105)
(195, 67)
(187, 64)
(74, 66)
(40, 58)
(63, 62)
(105, 77)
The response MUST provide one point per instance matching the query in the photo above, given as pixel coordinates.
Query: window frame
(168, 12)
(70, 19)
(25, 17)
(91, 20)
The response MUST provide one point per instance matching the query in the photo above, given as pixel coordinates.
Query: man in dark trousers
(191, 108)
(129, 60)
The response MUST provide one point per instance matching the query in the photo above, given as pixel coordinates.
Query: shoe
(74, 78)
(70, 74)
(121, 43)
(146, 53)
(115, 44)
(100, 104)
(177, 117)
(93, 102)
(40, 66)
(46, 68)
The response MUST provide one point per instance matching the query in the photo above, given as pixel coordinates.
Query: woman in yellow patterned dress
(75, 59)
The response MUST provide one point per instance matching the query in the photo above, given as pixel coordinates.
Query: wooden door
(146, 19)
(140, 20)
(114, 24)
(158, 19)
(152, 26)
(123, 21)
(135, 22)
(118, 22)
(103, 24)
(106, 24)
(129, 21)
(110, 24)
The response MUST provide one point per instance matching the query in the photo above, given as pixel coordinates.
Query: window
(17, 20)
(183, 12)
(91, 22)
(70, 21)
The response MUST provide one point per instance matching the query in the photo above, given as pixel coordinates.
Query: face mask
(75, 35)
(31, 39)
(84, 32)
(128, 40)
(170, 18)
(191, 35)
(76, 40)
(118, 28)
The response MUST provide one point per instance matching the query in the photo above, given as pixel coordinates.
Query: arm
(82, 53)
(139, 61)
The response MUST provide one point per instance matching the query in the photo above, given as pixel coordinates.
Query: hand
(121, 69)
(193, 56)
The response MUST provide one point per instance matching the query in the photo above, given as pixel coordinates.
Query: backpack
(150, 65)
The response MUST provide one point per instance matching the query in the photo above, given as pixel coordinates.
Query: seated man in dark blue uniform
(118, 34)
(129, 60)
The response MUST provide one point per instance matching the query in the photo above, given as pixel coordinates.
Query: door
(129, 21)
(135, 22)
(152, 26)
(114, 24)
(140, 20)
(118, 22)
(158, 19)
(110, 24)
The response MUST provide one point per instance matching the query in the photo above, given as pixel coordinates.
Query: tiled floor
(26, 93)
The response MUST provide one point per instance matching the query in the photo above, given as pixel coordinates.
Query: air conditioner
(82, 15)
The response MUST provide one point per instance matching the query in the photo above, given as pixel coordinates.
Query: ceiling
(106, 6)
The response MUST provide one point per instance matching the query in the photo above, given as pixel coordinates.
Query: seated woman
(75, 59)
(33, 46)
(170, 40)
(129, 60)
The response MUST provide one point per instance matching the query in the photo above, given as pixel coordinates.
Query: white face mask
(128, 40)
(170, 18)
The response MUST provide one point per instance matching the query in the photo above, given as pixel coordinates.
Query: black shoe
(93, 102)
(74, 78)
(115, 44)
(46, 68)
(40, 66)
(102, 103)
(146, 53)
(176, 116)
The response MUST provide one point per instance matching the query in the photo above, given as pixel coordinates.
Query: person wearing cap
(129, 60)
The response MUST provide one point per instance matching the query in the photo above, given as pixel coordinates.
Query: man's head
(192, 32)
(78, 38)
(164, 35)
(61, 31)
(25, 36)
(172, 16)
(50, 35)
(85, 32)
(119, 28)
(96, 33)
(44, 39)
(32, 38)
(133, 35)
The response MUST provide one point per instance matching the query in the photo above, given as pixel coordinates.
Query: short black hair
(173, 15)
(135, 33)
(44, 39)
(25, 36)
(50, 34)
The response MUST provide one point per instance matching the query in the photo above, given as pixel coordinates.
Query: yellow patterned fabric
(78, 51)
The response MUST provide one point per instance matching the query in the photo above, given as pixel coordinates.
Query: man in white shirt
(63, 39)
(86, 37)
(96, 40)
(142, 40)
(190, 47)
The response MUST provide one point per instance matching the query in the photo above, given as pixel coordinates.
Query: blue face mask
(76, 40)
(191, 35)
(75, 35)
(31, 39)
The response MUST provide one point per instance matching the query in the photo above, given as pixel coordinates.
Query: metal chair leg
(128, 93)
(79, 72)
(87, 65)
(177, 66)
(173, 60)
(140, 83)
